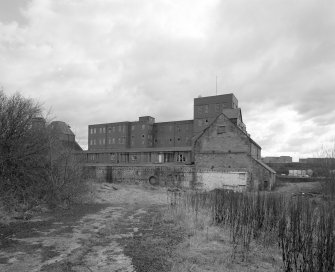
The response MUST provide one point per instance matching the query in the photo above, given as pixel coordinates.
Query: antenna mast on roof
(216, 86)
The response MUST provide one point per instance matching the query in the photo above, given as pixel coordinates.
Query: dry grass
(208, 247)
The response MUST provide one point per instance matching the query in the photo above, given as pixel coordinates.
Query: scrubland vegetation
(300, 232)
(35, 168)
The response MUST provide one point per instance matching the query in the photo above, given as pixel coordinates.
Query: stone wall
(163, 175)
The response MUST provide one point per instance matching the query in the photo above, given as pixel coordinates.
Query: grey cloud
(107, 61)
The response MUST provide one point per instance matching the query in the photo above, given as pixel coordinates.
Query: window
(132, 127)
(170, 128)
(124, 129)
(199, 109)
(113, 140)
(199, 122)
(143, 142)
(95, 130)
(103, 141)
(143, 126)
(109, 130)
(206, 108)
(217, 107)
(181, 158)
(113, 129)
(119, 140)
(133, 157)
(112, 156)
(221, 129)
(120, 128)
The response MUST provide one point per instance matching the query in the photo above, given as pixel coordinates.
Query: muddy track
(94, 237)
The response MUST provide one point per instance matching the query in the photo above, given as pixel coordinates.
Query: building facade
(215, 141)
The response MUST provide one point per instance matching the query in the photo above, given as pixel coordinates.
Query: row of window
(102, 130)
(203, 109)
(167, 157)
(122, 140)
(110, 141)
(113, 129)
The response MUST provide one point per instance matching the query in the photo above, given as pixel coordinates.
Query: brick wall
(223, 161)
(223, 136)
(224, 147)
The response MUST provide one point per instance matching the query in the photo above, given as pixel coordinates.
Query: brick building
(281, 159)
(214, 141)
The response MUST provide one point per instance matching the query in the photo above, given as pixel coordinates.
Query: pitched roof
(265, 166)
(196, 137)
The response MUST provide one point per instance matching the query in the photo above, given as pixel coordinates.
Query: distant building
(281, 159)
(318, 161)
(63, 133)
(301, 173)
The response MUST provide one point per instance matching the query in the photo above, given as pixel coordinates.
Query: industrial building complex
(211, 150)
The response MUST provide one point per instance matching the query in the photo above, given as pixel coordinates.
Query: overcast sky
(97, 61)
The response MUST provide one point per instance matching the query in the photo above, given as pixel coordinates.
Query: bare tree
(22, 149)
(34, 165)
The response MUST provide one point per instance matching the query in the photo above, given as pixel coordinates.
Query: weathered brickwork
(175, 176)
(224, 147)
(211, 151)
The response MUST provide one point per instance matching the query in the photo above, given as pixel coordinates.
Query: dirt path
(121, 230)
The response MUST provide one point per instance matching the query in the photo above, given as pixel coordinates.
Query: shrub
(34, 166)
